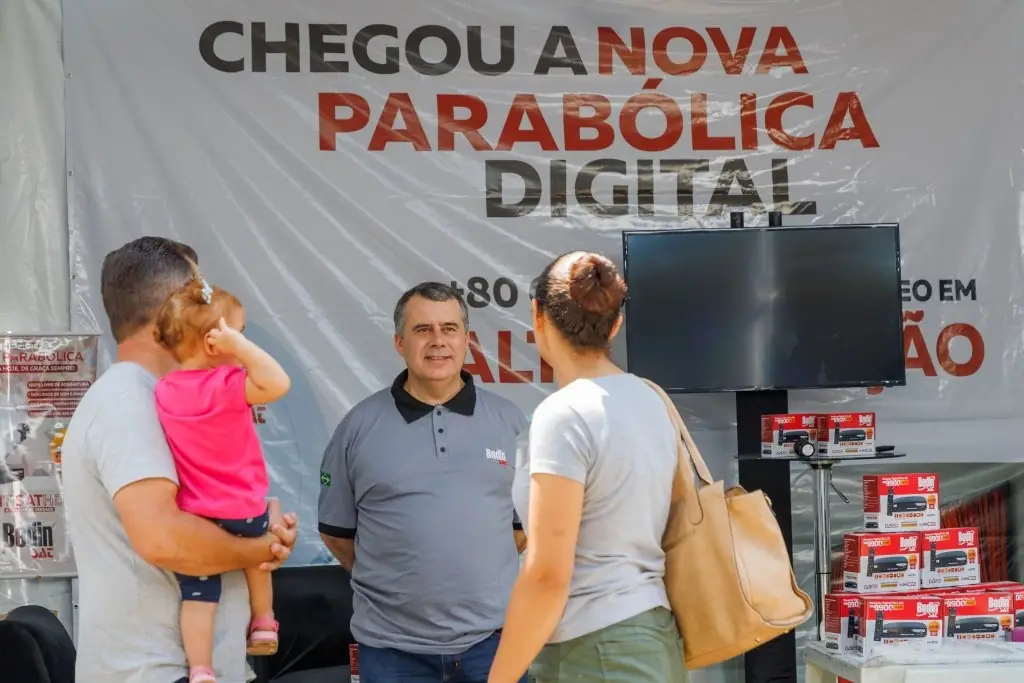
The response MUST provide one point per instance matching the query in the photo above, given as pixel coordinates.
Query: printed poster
(42, 379)
(33, 529)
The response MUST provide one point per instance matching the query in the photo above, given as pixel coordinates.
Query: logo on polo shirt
(498, 456)
(325, 479)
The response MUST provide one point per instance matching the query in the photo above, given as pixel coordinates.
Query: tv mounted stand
(775, 661)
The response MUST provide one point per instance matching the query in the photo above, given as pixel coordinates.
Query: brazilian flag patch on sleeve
(325, 479)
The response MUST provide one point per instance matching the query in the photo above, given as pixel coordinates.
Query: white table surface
(823, 667)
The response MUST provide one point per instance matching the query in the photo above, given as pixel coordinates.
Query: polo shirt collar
(413, 409)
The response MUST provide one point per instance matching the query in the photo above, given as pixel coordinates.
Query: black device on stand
(702, 295)
(804, 447)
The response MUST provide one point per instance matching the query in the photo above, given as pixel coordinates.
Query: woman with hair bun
(593, 489)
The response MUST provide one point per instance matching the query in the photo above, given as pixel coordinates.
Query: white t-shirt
(613, 435)
(128, 610)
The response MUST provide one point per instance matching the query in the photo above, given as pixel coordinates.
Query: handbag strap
(690, 460)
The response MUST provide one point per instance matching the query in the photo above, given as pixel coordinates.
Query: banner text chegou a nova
(323, 157)
(42, 378)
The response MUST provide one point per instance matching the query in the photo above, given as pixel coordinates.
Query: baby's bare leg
(199, 598)
(197, 632)
(263, 627)
(261, 593)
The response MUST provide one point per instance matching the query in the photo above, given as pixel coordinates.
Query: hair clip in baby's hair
(207, 291)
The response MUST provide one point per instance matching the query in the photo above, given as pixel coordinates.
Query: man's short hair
(434, 291)
(137, 278)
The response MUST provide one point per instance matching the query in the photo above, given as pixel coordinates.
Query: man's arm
(343, 549)
(337, 504)
(520, 537)
(518, 533)
(522, 428)
(177, 541)
(135, 466)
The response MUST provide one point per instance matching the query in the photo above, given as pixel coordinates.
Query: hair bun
(595, 284)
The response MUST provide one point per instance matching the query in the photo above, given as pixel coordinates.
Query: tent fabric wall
(34, 273)
(34, 285)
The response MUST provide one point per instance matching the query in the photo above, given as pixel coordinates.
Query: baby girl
(205, 410)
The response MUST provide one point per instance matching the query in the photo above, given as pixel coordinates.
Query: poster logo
(42, 381)
(36, 537)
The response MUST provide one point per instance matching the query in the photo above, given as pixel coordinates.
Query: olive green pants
(643, 649)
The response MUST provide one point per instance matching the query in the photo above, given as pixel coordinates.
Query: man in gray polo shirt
(415, 502)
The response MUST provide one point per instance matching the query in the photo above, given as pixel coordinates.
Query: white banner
(322, 160)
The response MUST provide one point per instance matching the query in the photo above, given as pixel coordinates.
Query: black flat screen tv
(742, 309)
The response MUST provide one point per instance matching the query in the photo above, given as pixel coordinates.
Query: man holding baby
(120, 489)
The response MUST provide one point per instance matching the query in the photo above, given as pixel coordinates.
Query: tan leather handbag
(728, 574)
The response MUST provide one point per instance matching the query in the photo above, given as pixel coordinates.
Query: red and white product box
(899, 619)
(949, 558)
(1018, 599)
(1018, 607)
(993, 586)
(977, 615)
(846, 434)
(881, 563)
(907, 502)
(1018, 594)
(841, 622)
(781, 433)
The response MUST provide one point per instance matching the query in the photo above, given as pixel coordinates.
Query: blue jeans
(380, 665)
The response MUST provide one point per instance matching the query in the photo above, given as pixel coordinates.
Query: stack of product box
(906, 580)
(833, 435)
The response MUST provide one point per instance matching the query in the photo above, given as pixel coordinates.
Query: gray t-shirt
(612, 435)
(128, 610)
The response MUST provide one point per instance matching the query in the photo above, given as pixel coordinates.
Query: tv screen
(765, 308)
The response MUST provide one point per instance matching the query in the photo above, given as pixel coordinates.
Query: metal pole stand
(821, 477)
(821, 472)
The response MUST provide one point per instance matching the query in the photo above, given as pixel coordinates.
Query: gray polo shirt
(426, 491)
